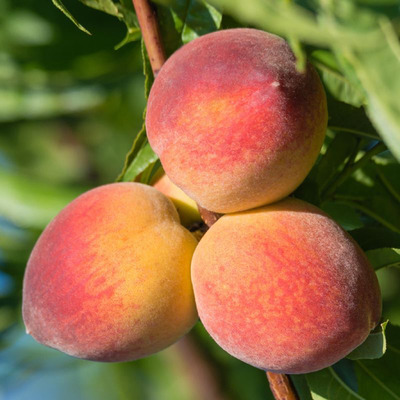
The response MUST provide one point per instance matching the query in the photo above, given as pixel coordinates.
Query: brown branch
(280, 384)
(281, 387)
(150, 33)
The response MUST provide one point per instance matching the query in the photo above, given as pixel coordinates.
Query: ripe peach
(284, 288)
(234, 123)
(109, 278)
(186, 207)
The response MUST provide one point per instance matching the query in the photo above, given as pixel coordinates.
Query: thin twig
(150, 33)
(279, 383)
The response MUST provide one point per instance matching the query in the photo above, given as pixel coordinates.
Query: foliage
(69, 106)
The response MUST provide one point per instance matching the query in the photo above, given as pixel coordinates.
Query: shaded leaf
(340, 149)
(373, 347)
(382, 258)
(61, 7)
(347, 217)
(327, 384)
(133, 33)
(370, 238)
(301, 386)
(379, 379)
(201, 18)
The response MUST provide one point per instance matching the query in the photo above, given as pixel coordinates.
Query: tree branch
(150, 33)
(280, 384)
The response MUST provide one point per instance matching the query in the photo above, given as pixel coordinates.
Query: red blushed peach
(186, 207)
(109, 278)
(233, 121)
(284, 288)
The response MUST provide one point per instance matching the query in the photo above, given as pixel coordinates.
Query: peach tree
(354, 46)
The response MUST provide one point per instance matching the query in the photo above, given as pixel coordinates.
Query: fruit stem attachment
(281, 387)
(280, 384)
(151, 35)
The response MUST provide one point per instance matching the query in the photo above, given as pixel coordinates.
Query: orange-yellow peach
(109, 278)
(284, 288)
(235, 124)
(186, 207)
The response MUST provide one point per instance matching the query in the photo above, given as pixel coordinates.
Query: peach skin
(109, 278)
(234, 123)
(284, 288)
(186, 207)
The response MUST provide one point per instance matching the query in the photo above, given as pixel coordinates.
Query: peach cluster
(277, 283)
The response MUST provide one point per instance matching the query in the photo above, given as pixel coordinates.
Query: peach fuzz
(109, 278)
(186, 207)
(284, 288)
(234, 123)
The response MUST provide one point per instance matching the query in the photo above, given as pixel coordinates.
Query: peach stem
(281, 387)
(280, 384)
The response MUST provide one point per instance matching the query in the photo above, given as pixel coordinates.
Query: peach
(234, 123)
(186, 207)
(109, 278)
(284, 288)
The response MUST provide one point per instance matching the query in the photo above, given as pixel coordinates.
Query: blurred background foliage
(70, 107)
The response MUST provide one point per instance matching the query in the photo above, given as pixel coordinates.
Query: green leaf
(143, 159)
(107, 6)
(382, 258)
(347, 217)
(138, 143)
(373, 347)
(340, 149)
(201, 18)
(379, 379)
(123, 10)
(340, 86)
(152, 170)
(327, 384)
(370, 238)
(363, 190)
(275, 16)
(301, 386)
(379, 73)
(146, 157)
(133, 33)
(389, 177)
(170, 21)
(61, 7)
